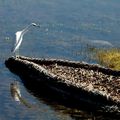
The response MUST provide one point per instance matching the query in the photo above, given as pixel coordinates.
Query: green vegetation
(109, 58)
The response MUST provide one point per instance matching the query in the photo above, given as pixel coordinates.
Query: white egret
(19, 37)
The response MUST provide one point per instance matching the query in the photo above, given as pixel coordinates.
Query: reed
(109, 58)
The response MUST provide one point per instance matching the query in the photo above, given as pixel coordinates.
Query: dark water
(66, 27)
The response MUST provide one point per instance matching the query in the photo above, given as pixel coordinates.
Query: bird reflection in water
(15, 91)
(16, 94)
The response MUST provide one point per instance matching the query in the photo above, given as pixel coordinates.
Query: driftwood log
(88, 84)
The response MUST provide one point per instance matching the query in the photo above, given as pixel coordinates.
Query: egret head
(34, 24)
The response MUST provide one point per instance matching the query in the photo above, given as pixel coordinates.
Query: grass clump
(109, 58)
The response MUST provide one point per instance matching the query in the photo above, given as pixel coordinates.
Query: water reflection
(16, 95)
(65, 106)
(15, 91)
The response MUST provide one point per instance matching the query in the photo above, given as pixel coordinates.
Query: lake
(66, 28)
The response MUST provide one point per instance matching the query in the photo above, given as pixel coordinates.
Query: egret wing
(18, 40)
(18, 36)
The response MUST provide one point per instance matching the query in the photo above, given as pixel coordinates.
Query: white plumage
(19, 37)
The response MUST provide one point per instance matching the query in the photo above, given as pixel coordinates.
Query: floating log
(90, 84)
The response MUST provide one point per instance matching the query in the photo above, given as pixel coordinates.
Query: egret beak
(37, 25)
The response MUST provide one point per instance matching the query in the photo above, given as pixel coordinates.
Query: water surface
(66, 27)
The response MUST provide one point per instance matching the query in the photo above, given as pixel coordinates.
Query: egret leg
(17, 53)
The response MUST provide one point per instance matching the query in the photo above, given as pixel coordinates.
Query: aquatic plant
(109, 58)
